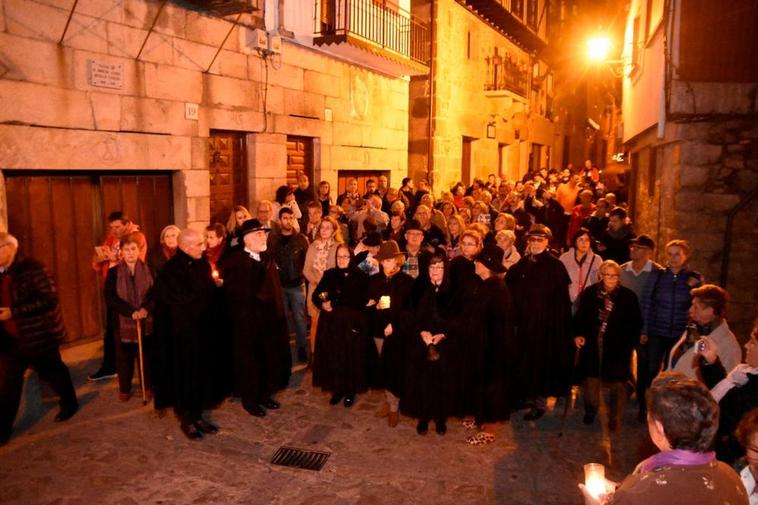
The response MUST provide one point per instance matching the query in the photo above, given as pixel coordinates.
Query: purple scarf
(678, 457)
(132, 289)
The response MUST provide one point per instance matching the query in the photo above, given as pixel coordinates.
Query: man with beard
(262, 360)
(542, 308)
(185, 335)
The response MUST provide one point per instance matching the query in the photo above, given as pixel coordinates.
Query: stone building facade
(147, 92)
(691, 128)
(486, 105)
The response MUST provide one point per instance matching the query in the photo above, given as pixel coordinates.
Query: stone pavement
(123, 453)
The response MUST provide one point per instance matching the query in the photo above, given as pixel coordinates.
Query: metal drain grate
(300, 458)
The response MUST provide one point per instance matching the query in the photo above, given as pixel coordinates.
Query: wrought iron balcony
(516, 19)
(378, 26)
(506, 73)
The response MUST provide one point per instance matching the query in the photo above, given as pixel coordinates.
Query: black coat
(542, 316)
(35, 309)
(432, 388)
(186, 359)
(392, 360)
(487, 346)
(343, 346)
(621, 334)
(262, 359)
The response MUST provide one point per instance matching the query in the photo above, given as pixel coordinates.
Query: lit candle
(594, 479)
(215, 274)
(384, 302)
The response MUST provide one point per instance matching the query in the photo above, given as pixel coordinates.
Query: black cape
(262, 358)
(542, 310)
(392, 360)
(343, 346)
(187, 343)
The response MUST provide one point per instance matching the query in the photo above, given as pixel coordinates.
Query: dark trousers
(658, 349)
(109, 345)
(592, 387)
(50, 368)
(126, 355)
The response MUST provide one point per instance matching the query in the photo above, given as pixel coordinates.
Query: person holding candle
(682, 422)
(262, 359)
(389, 312)
(342, 343)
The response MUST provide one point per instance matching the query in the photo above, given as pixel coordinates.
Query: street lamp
(598, 48)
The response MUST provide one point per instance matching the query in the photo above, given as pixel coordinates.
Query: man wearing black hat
(416, 259)
(262, 360)
(539, 287)
(366, 251)
(288, 248)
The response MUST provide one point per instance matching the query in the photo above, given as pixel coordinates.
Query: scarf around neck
(678, 457)
(132, 289)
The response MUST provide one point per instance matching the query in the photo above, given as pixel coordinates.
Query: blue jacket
(666, 300)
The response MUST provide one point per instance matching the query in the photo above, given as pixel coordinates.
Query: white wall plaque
(106, 75)
(191, 110)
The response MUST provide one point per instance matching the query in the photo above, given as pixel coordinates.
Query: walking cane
(570, 390)
(141, 362)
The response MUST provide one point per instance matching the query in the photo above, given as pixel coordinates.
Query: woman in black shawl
(491, 345)
(342, 341)
(430, 381)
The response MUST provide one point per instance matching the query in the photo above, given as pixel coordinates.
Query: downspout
(728, 234)
(432, 100)
(669, 20)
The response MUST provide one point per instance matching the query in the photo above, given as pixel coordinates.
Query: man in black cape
(542, 308)
(262, 359)
(186, 337)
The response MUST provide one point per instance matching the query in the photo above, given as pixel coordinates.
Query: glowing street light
(598, 48)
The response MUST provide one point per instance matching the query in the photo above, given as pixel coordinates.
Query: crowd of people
(486, 301)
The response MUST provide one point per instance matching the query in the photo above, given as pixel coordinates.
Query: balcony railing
(505, 73)
(380, 22)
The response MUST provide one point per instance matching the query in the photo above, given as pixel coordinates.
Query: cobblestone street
(113, 452)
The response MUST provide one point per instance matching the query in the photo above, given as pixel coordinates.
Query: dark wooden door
(466, 160)
(300, 159)
(361, 176)
(58, 219)
(227, 168)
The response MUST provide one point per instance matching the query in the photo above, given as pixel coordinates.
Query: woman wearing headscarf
(430, 379)
(342, 342)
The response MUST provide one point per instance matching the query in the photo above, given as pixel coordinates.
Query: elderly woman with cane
(127, 293)
(605, 327)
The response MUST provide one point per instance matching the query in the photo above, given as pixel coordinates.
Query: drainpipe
(728, 234)
(430, 133)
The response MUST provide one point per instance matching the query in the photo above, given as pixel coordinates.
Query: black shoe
(349, 401)
(422, 427)
(589, 418)
(440, 426)
(256, 410)
(102, 374)
(302, 355)
(206, 427)
(334, 400)
(66, 413)
(192, 432)
(534, 414)
(271, 404)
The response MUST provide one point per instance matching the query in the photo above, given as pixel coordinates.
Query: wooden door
(227, 169)
(300, 160)
(361, 176)
(58, 219)
(466, 160)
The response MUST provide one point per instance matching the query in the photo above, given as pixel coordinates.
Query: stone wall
(52, 117)
(704, 170)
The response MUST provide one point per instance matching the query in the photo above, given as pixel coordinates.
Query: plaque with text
(106, 75)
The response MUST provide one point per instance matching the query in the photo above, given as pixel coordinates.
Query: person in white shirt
(747, 434)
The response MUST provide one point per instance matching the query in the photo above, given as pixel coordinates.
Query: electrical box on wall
(253, 40)
(275, 44)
